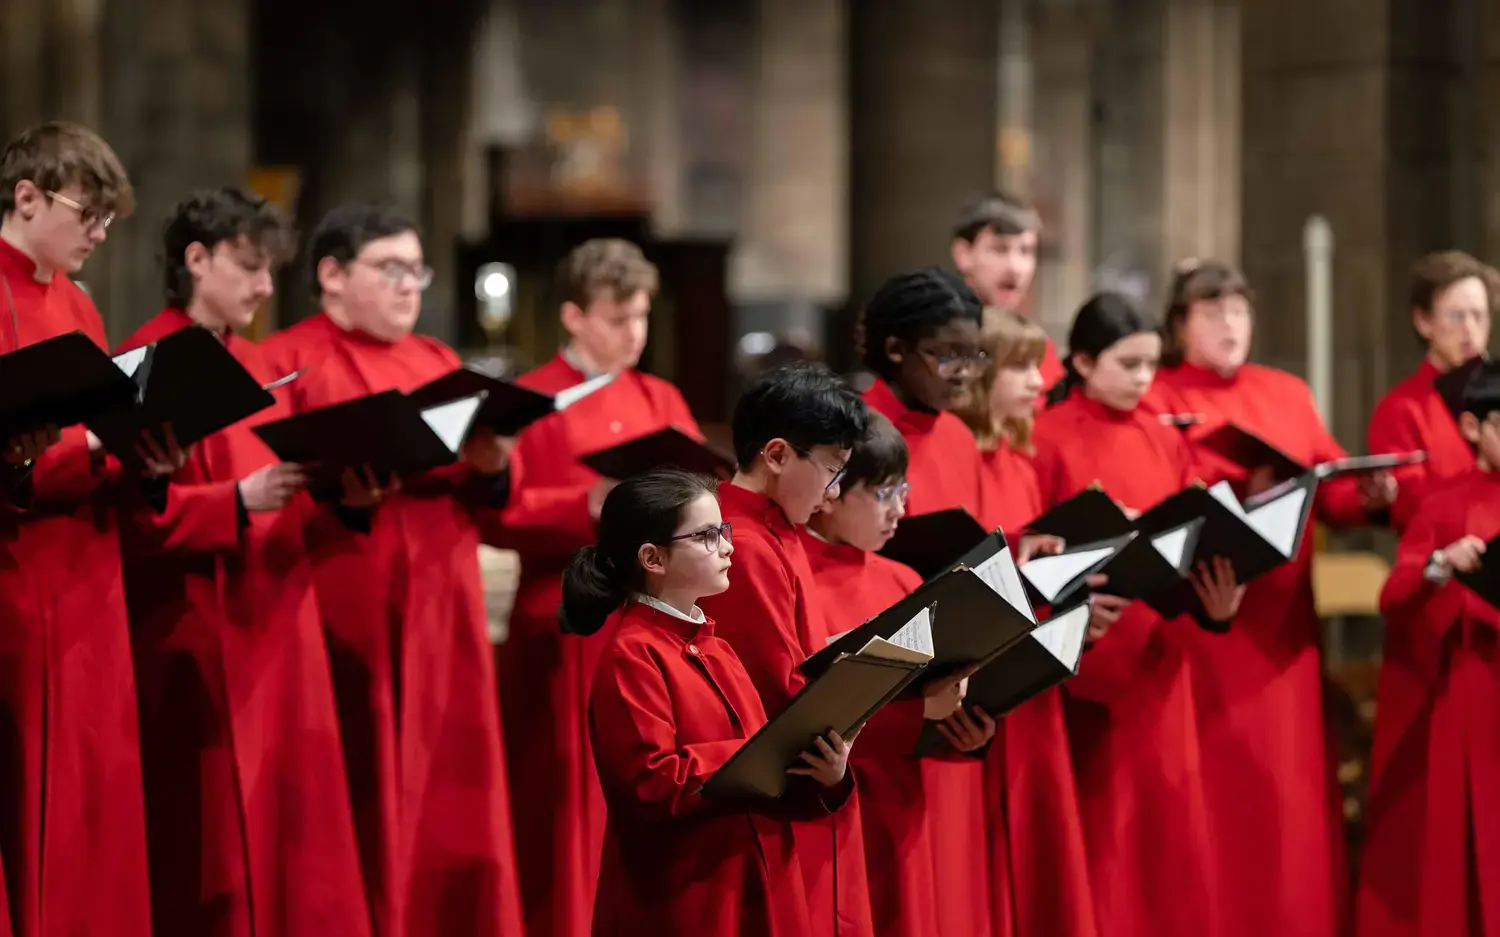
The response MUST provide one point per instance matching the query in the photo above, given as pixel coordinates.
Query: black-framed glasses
(836, 470)
(886, 494)
(949, 363)
(710, 537)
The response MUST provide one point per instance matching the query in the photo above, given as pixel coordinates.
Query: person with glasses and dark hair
(793, 430)
(231, 666)
(855, 584)
(671, 704)
(402, 605)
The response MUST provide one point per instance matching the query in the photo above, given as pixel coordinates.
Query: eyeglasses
(710, 537)
(395, 273)
(91, 217)
(836, 470)
(887, 494)
(950, 364)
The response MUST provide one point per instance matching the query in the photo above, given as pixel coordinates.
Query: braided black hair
(911, 306)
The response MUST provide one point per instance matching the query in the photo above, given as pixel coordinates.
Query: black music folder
(981, 608)
(665, 448)
(931, 543)
(61, 381)
(1090, 516)
(1042, 660)
(187, 380)
(508, 407)
(1485, 581)
(1251, 452)
(1052, 578)
(1451, 386)
(841, 699)
(389, 431)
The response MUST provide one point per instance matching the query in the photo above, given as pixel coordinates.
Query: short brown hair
(605, 264)
(57, 154)
(1011, 340)
(1433, 273)
(1005, 214)
(1194, 281)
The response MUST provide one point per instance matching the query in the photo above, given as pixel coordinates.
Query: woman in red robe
(1035, 829)
(671, 704)
(1272, 793)
(856, 584)
(1131, 717)
(402, 607)
(1429, 865)
(545, 675)
(72, 833)
(1451, 296)
(238, 730)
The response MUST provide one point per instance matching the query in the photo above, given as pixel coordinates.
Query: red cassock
(239, 735)
(1036, 834)
(855, 586)
(1413, 416)
(544, 674)
(1051, 367)
(1430, 864)
(773, 617)
(946, 470)
(1273, 796)
(404, 619)
(72, 832)
(1130, 712)
(671, 703)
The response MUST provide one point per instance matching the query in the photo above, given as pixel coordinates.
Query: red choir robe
(1052, 368)
(1130, 712)
(1273, 795)
(1036, 834)
(1413, 416)
(773, 617)
(239, 735)
(946, 470)
(72, 830)
(545, 675)
(670, 704)
(1430, 864)
(413, 676)
(855, 586)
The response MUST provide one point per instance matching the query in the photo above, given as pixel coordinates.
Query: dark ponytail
(602, 577)
(1105, 319)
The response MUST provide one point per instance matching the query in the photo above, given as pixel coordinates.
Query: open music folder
(187, 380)
(1045, 658)
(61, 381)
(841, 699)
(1485, 581)
(981, 608)
(389, 431)
(931, 543)
(665, 448)
(1251, 452)
(508, 407)
(1450, 386)
(1053, 578)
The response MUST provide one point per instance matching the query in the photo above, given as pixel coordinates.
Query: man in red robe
(72, 835)
(238, 730)
(994, 247)
(1429, 863)
(793, 429)
(1451, 300)
(402, 607)
(606, 287)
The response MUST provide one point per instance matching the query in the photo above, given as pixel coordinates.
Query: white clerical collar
(696, 618)
(577, 363)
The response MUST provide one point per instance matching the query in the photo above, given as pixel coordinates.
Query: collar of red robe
(882, 397)
(17, 265)
(684, 629)
(357, 335)
(822, 554)
(1191, 375)
(1102, 411)
(756, 505)
(179, 319)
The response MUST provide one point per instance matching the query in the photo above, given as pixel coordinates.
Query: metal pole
(1317, 250)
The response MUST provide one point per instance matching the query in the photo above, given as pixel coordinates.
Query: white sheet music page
(566, 397)
(1000, 574)
(1049, 574)
(1280, 521)
(1062, 635)
(450, 421)
(912, 643)
(130, 361)
(1172, 545)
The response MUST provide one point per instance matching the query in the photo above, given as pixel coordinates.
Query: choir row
(255, 703)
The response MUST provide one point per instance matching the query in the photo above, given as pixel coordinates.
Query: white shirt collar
(696, 618)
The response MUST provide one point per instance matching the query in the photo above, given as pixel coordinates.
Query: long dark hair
(1105, 319)
(601, 578)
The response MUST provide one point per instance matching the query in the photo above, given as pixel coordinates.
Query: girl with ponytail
(670, 704)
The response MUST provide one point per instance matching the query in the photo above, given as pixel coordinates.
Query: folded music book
(665, 448)
(61, 381)
(508, 407)
(1042, 660)
(390, 432)
(1249, 451)
(1052, 578)
(1451, 386)
(1087, 517)
(187, 380)
(841, 699)
(1485, 581)
(931, 543)
(981, 609)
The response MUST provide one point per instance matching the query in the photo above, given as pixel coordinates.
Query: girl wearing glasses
(670, 704)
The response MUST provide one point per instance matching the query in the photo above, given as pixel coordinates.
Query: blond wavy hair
(1012, 341)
